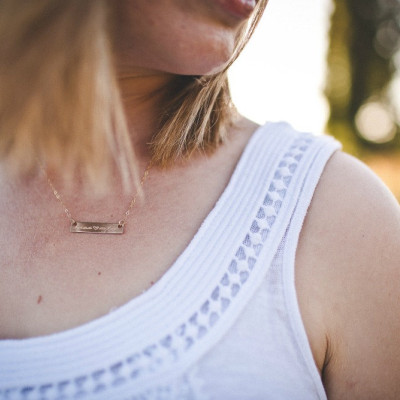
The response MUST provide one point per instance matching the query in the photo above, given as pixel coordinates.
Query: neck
(143, 95)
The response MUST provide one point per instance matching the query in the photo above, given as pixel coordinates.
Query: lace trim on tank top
(171, 351)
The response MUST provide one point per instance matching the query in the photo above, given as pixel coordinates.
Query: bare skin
(347, 268)
(347, 264)
(63, 268)
(347, 275)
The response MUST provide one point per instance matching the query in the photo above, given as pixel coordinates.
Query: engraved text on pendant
(96, 227)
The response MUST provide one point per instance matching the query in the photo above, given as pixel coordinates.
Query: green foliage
(364, 37)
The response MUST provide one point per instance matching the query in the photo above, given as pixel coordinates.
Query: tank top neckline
(161, 333)
(174, 278)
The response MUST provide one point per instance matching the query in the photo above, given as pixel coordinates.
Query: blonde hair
(59, 96)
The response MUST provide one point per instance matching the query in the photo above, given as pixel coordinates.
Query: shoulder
(348, 278)
(350, 200)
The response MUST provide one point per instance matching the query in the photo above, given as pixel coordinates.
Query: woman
(195, 297)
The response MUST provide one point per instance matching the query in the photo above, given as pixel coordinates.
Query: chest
(54, 280)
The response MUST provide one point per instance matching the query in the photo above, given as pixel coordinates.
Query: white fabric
(222, 323)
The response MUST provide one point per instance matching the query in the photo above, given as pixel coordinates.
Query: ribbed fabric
(169, 342)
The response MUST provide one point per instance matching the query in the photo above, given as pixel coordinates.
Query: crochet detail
(184, 388)
(170, 348)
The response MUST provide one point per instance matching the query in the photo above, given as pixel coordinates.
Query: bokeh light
(374, 121)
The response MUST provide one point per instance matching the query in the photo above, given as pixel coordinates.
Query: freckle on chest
(39, 299)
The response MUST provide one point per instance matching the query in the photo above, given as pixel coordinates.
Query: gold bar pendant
(96, 227)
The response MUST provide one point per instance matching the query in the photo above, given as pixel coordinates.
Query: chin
(185, 40)
(203, 67)
(211, 58)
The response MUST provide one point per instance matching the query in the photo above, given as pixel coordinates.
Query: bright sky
(280, 74)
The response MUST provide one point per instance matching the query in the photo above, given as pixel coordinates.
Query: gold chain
(121, 222)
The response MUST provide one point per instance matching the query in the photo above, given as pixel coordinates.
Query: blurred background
(328, 66)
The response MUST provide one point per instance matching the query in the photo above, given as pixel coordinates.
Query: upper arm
(349, 261)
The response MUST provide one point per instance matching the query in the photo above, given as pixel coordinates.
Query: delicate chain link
(57, 195)
(121, 222)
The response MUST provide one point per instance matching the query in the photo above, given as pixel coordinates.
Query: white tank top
(223, 322)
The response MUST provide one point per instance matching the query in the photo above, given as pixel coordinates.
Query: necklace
(96, 227)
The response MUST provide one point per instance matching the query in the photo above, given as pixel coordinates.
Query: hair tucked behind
(60, 102)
